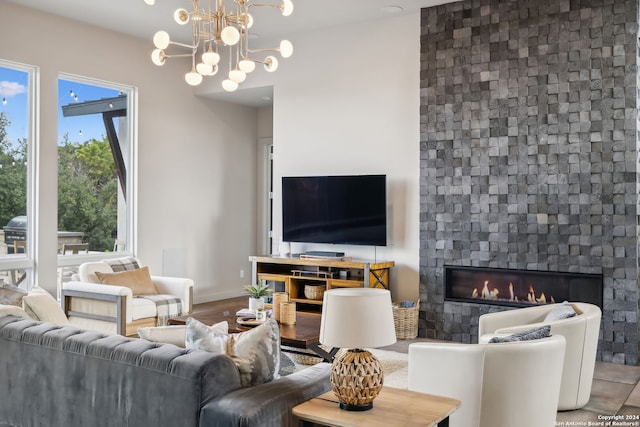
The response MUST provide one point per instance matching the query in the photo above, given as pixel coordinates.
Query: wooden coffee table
(392, 407)
(304, 335)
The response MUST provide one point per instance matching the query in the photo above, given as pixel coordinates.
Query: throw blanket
(167, 306)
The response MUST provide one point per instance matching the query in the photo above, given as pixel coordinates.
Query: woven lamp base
(356, 379)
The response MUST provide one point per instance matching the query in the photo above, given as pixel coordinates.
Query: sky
(14, 103)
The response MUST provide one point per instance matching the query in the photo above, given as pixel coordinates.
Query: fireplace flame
(489, 294)
(492, 294)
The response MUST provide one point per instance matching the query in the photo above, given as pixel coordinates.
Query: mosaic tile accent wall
(529, 152)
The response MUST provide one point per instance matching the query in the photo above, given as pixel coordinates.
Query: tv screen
(350, 209)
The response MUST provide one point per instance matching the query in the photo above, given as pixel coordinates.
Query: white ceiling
(136, 18)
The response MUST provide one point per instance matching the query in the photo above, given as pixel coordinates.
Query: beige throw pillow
(40, 305)
(12, 310)
(139, 281)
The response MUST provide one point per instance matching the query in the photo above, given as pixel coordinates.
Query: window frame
(26, 261)
(72, 260)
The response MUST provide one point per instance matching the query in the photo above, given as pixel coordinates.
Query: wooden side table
(392, 407)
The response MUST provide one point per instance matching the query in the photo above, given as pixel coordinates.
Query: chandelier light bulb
(158, 57)
(214, 70)
(193, 78)
(204, 69)
(248, 19)
(229, 85)
(247, 65)
(181, 16)
(237, 75)
(287, 7)
(210, 57)
(230, 35)
(270, 63)
(150, 2)
(161, 40)
(286, 48)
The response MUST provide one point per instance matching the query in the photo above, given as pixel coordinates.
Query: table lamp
(355, 319)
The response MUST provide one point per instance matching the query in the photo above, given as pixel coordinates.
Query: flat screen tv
(347, 209)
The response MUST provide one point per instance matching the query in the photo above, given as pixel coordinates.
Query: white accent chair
(499, 385)
(581, 333)
(112, 309)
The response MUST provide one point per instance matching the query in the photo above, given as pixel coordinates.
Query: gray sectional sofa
(60, 376)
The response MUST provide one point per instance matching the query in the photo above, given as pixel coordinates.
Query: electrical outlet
(242, 274)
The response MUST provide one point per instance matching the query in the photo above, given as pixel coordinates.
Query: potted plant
(257, 292)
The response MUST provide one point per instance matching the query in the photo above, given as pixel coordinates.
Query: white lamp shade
(230, 35)
(247, 65)
(286, 48)
(150, 2)
(229, 85)
(158, 57)
(161, 39)
(357, 318)
(270, 63)
(237, 75)
(181, 16)
(204, 69)
(210, 57)
(193, 78)
(287, 7)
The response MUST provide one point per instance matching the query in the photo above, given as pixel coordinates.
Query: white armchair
(581, 333)
(113, 309)
(499, 385)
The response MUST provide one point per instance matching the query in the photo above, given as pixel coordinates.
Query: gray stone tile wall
(529, 152)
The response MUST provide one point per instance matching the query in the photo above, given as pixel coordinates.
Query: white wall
(347, 102)
(196, 157)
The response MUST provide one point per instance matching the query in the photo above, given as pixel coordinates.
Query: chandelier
(215, 28)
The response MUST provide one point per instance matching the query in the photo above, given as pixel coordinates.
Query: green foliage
(87, 187)
(258, 290)
(88, 192)
(13, 175)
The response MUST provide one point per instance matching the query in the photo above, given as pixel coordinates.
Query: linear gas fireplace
(519, 287)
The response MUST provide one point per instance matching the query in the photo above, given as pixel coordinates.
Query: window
(94, 164)
(17, 130)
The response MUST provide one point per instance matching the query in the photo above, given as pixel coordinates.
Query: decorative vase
(256, 303)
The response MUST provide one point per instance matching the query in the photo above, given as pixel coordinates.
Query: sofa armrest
(452, 370)
(178, 286)
(270, 404)
(112, 303)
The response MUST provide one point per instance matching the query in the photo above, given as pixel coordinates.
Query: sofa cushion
(12, 310)
(562, 311)
(175, 334)
(528, 335)
(141, 308)
(139, 280)
(208, 338)
(255, 352)
(11, 295)
(40, 305)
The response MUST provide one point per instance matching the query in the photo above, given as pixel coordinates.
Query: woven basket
(314, 291)
(406, 321)
(288, 313)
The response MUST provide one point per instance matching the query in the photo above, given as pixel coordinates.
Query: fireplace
(517, 288)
